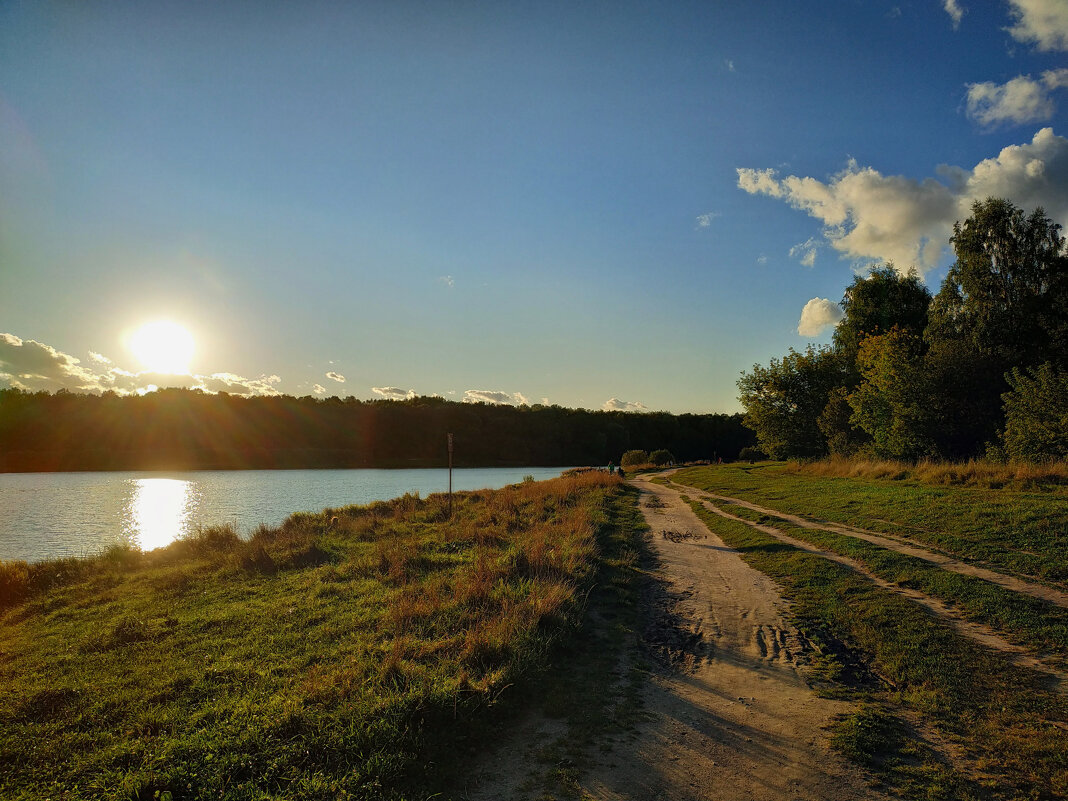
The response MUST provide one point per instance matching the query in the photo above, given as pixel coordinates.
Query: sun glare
(163, 347)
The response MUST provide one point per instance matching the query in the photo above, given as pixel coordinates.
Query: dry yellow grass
(973, 473)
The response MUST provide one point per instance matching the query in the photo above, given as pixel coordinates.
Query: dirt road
(727, 713)
(735, 719)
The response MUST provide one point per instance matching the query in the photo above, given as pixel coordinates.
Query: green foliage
(634, 458)
(878, 302)
(661, 457)
(891, 402)
(189, 429)
(1002, 305)
(751, 454)
(1036, 414)
(835, 422)
(783, 401)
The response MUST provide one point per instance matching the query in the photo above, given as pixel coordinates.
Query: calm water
(50, 515)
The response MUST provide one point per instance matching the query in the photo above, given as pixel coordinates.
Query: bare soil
(727, 711)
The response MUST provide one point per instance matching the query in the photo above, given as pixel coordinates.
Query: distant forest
(188, 429)
(979, 369)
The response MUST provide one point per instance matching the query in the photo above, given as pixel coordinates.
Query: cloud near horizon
(394, 393)
(870, 217)
(818, 314)
(617, 405)
(336, 377)
(495, 397)
(34, 366)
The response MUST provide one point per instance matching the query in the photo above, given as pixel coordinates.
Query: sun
(163, 347)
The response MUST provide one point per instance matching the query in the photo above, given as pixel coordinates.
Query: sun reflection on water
(159, 511)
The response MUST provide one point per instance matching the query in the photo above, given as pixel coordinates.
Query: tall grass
(973, 473)
(315, 659)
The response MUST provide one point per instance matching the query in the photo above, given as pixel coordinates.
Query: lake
(52, 515)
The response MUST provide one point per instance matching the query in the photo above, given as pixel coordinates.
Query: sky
(594, 204)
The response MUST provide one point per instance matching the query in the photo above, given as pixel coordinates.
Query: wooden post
(450, 475)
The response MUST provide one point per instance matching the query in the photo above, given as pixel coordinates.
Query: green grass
(321, 659)
(1022, 619)
(914, 673)
(1016, 531)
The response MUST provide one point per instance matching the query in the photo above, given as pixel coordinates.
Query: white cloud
(617, 405)
(729, 64)
(319, 389)
(99, 358)
(705, 220)
(28, 364)
(394, 393)
(447, 280)
(495, 397)
(336, 377)
(1043, 23)
(956, 13)
(871, 217)
(818, 314)
(34, 366)
(762, 259)
(1021, 100)
(805, 252)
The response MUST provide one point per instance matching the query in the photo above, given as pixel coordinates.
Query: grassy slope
(1010, 530)
(317, 660)
(1006, 728)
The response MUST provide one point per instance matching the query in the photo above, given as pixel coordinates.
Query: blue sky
(572, 202)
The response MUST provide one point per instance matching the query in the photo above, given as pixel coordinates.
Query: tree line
(979, 369)
(189, 429)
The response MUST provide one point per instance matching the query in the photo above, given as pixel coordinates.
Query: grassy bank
(1023, 531)
(319, 659)
(941, 717)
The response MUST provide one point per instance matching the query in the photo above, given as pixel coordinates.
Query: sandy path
(735, 719)
(901, 545)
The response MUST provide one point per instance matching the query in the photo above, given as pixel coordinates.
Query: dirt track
(727, 712)
(735, 718)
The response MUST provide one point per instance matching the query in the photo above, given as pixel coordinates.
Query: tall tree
(783, 401)
(877, 302)
(1002, 305)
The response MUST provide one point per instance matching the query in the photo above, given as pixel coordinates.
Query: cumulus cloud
(617, 405)
(394, 393)
(818, 314)
(1043, 23)
(495, 397)
(34, 366)
(956, 13)
(1023, 99)
(871, 217)
(319, 389)
(28, 364)
(336, 377)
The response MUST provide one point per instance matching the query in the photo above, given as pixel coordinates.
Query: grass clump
(318, 659)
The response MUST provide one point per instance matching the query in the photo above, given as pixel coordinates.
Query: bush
(634, 458)
(751, 454)
(661, 457)
(1036, 414)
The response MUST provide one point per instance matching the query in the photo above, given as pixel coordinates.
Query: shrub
(1036, 414)
(661, 457)
(751, 454)
(634, 458)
